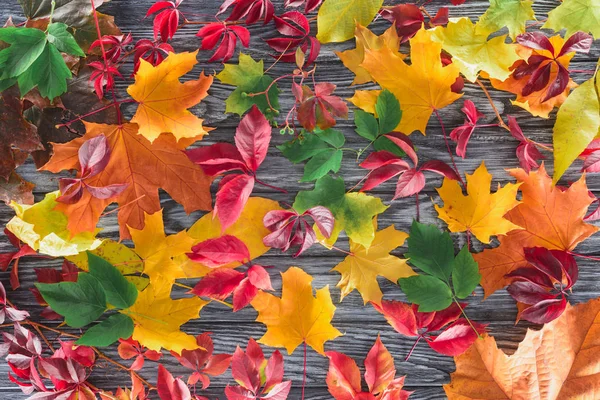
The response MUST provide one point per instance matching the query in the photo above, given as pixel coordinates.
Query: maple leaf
(472, 52)
(513, 14)
(365, 39)
(360, 269)
(44, 229)
(561, 358)
(249, 77)
(163, 100)
(577, 124)
(538, 103)
(343, 377)
(337, 18)
(158, 318)
(143, 166)
(297, 317)
(575, 15)
(353, 212)
(421, 88)
(548, 216)
(248, 228)
(157, 250)
(479, 212)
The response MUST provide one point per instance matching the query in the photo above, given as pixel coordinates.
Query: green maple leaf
(250, 78)
(353, 212)
(575, 15)
(513, 14)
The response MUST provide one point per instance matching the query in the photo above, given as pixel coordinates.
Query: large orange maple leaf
(550, 218)
(559, 362)
(143, 166)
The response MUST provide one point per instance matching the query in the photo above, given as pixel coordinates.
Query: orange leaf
(561, 361)
(163, 100)
(144, 166)
(550, 218)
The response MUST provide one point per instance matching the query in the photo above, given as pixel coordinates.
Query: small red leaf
(455, 339)
(343, 376)
(252, 138)
(379, 368)
(231, 199)
(215, 253)
(218, 284)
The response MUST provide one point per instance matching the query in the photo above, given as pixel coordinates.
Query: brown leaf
(16, 189)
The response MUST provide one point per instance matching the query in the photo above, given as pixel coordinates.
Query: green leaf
(74, 13)
(338, 18)
(383, 143)
(353, 211)
(331, 136)
(26, 46)
(321, 164)
(303, 147)
(431, 250)
(59, 36)
(388, 112)
(119, 291)
(575, 15)
(49, 73)
(430, 293)
(115, 327)
(366, 124)
(513, 14)
(249, 78)
(465, 274)
(80, 302)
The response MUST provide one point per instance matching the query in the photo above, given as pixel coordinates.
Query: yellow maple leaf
(249, 228)
(158, 318)
(472, 52)
(422, 87)
(297, 316)
(157, 249)
(479, 212)
(365, 39)
(164, 100)
(360, 269)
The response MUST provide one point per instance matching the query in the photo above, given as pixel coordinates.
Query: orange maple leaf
(560, 361)
(533, 102)
(143, 166)
(550, 218)
(163, 100)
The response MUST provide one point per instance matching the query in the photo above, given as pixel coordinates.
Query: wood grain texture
(426, 371)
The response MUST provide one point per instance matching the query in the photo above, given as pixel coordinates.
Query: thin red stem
(304, 372)
(270, 186)
(469, 240)
(584, 256)
(437, 114)
(414, 346)
(94, 112)
(418, 208)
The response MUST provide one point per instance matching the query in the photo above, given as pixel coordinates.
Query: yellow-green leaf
(513, 14)
(337, 18)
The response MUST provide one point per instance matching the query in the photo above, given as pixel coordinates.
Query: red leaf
(217, 158)
(170, 388)
(463, 133)
(274, 370)
(251, 10)
(229, 35)
(343, 376)
(295, 28)
(407, 18)
(439, 319)
(319, 108)
(535, 40)
(243, 294)
(440, 167)
(323, 219)
(223, 250)
(259, 277)
(279, 392)
(403, 141)
(544, 311)
(255, 353)
(231, 199)
(382, 158)
(218, 284)
(410, 182)
(400, 316)
(455, 339)
(252, 138)
(150, 51)
(592, 162)
(309, 5)
(379, 368)
(166, 21)
(244, 371)
(579, 41)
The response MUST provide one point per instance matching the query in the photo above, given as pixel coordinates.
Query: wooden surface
(426, 371)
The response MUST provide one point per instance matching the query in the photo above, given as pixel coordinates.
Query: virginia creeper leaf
(105, 333)
(119, 292)
(465, 274)
(430, 250)
(429, 292)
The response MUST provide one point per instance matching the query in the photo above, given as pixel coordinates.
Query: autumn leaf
(16, 189)
(575, 15)
(577, 124)
(143, 166)
(297, 317)
(44, 229)
(422, 87)
(353, 212)
(479, 212)
(472, 52)
(549, 217)
(337, 18)
(158, 318)
(365, 39)
(560, 361)
(164, 100)
(512, 14)
(360, 269)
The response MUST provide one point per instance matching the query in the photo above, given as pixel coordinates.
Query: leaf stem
(270, 186)
(437, 114)
(414, 346)
(487, 94)
(52, 7)
(418, 208)
(304, 371)
(468, 240)
(465, 315)
(584, 256)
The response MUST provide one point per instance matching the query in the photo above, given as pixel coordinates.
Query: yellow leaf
(577, 124)
(297, 316)
(163, 100)
(158, 318)
(360, 269)
(422, 87)
(249, 228)
(157, 249)
(45, 229)
(365, 39)
(472, 52)
(479, 212)
(337, 18)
